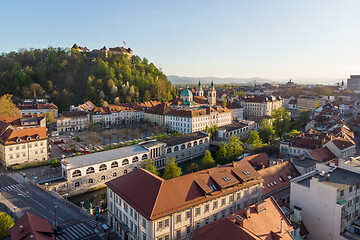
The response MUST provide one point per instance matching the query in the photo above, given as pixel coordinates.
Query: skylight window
(246, 173)
(268, 185)
(212, 187)
(226, 179)
(280, 179)
(271, 184)
(263, 187)
(289, 177)
(275, 183)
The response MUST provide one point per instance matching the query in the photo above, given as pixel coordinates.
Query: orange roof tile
(31, 224)
(154, 197)
(322, 154)
(273, 174)
(261, 159)
(264, 224)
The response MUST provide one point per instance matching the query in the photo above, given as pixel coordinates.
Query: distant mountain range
(207, 80)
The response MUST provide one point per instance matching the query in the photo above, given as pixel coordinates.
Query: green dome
(186, 93)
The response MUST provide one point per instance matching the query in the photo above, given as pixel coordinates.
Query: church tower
(199, 91)
(212, 95)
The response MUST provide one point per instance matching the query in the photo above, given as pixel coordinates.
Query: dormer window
(28, 138)
(38, 137)
(212, 187)
(226, 179)
(18, 139)
(289, 177)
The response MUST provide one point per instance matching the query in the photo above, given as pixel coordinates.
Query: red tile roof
(39, 106)
(322, 154)
(74, 114)
(272, 175)
(14, 135)
(342, 143)
(264, 224)
(32, 225)
(154, 197)
(261, 159)
(159, 109)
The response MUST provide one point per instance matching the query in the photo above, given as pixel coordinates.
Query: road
(27, 197)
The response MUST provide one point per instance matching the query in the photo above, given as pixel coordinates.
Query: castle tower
(199, 91)
(212, 95)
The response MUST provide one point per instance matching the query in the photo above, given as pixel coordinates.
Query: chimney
(281, 227)
(263, 167)
(247, 213)
(239, 220)
(336, 162)
(260, 206)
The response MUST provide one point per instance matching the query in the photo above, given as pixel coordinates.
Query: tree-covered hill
(70, 77)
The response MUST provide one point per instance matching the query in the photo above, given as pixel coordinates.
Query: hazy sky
(240, 38)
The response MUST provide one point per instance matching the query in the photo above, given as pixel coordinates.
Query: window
(126, 207)
(215, 204)
(102, 178)
(223, 201)
(188, 229)
(114, 174)
(178, 233)
(178, 218)
(176, 148)
(125, 162)
(168, 150)
(189, 145)
(77, 184)
(206, 208)
(102, 167)
(231, 199)
(197, 211)
(223, 213)
(143, 236)
(91, 180)
(188, 214)
(342, 193)
(125, 171)
(135, 159)
(114, 164)
(144, 223)
(215, 217)
(160, 225)
(197, 224)
(90, 170)
(166, 224)
(144, 157)
(350, 189)
(207, 221)
(76, 173)
(167, 237)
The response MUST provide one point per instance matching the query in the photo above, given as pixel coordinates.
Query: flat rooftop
(99, 157)
(183, 138)
(305, 163)
(339, 179)
(233, 126)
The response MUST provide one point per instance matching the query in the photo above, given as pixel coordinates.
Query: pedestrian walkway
(77, 231)
(92, 223)
(11, 187)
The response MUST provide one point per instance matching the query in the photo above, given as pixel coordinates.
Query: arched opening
(135, 159)
(195, 143)
(90, 170)
(189, 145)
(77, 184)
(125, 162)
(76, 173)
(102, 167)
(176, 148)
(114, 164)
(125, 171)
(182, 146)
(102, 178)
(91, 181)
(168, 150)
(114, 174)
(144, 157)
(201, 141)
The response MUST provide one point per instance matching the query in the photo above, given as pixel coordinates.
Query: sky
(274, 39)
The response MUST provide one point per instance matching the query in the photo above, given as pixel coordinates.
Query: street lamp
(55, 207)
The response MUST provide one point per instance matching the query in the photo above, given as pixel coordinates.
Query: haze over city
(241, 39)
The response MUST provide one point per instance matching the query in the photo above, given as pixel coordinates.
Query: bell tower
(212, 95)
(199, 90)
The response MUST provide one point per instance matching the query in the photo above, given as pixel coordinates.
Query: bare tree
(136, 133)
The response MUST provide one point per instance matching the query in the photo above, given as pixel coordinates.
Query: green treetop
(7, 107)
(254, 139)
(6, 223)
(149, 165)
(172, 170)
(266, 132)
(281, 121)
(207, 161)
